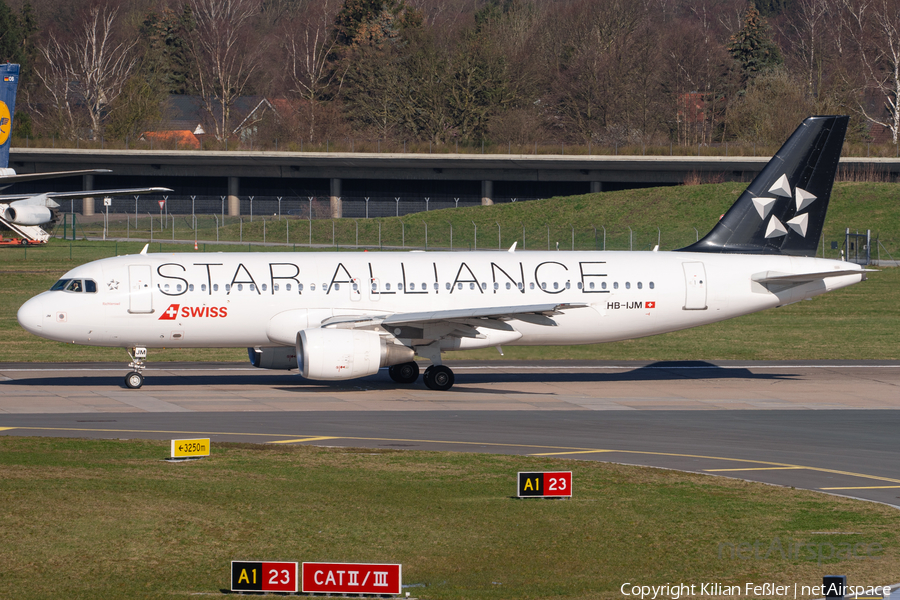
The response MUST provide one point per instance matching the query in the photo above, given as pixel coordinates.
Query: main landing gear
(135, 379)
(436, 377)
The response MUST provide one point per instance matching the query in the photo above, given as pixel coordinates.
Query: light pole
(475, 245)
(397, 200)
(367, 207)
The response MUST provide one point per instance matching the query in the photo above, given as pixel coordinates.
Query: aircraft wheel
(134, 380)
(404, 373)
(23, 241)
(438, 377)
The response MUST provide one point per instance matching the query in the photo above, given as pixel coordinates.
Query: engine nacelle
(283, 358)
(331, 354)
(7, 172)
(28, 214)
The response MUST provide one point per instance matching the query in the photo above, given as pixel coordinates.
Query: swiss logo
(170, 313)
(186, 312)
(650, 305)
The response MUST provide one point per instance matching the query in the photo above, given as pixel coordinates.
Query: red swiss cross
(650, 305)
(170, 313)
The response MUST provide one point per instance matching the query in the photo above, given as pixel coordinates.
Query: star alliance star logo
(764, 205)
(112, 285)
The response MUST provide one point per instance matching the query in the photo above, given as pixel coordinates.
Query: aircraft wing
(8, 180)
(88, 194)
(491, 317)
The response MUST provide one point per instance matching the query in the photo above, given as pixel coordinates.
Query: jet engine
(28, 214)
(331, 354)
(283, 358)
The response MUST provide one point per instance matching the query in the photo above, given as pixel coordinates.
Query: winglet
(144, 250)
(513, 247)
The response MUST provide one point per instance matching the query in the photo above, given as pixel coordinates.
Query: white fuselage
(263, 299)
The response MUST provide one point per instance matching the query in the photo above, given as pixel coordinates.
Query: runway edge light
(185, 449)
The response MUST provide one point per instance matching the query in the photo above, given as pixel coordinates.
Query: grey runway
(830, 427)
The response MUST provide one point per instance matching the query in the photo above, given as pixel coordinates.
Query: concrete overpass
(337, 175)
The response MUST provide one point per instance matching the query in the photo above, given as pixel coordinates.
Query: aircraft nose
(31, 316)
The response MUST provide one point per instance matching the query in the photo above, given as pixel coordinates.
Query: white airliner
(28, 214)
(341, 316)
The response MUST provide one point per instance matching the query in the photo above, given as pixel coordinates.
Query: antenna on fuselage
(144, 249)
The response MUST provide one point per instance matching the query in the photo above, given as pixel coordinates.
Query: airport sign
(555, 484)
(190, 448)
(261, 576)
(351, 578)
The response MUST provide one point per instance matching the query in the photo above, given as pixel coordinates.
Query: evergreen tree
(752, 47)
(10, 35)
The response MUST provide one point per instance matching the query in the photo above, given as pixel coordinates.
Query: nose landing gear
(135, 379)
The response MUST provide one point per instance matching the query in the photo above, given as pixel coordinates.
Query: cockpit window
(75, 285)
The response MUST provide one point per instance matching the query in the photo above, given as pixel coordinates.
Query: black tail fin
(783, 210)
(9, 80)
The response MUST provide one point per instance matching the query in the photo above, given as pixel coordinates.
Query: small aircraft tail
(783, 210)
(9, 80)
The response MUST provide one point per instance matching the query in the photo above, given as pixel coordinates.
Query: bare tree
(874, 26)
(308, 45)
(94, 63)
(225, 55)
(804, 32)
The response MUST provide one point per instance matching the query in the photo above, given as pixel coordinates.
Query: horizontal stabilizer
(8, 180)
(774, 277)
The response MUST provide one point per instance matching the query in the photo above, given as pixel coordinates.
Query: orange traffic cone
(195, 244)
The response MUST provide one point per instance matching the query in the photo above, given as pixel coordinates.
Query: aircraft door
(695, 286)
(140, 300)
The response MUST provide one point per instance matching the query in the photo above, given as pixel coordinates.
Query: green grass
(668, 215)
(109, 519)
(856, 323)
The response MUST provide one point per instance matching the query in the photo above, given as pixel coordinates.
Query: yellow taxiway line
(560, 450)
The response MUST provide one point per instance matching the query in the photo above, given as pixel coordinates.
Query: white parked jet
(341, 316)
(27, 213)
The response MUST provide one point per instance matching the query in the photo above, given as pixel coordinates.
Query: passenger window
(627, 285)
(165, 287)
(215, 287)
(275, 287)
(425, 286)
(399, 286)
(228, 287)
(531, 286)
(178, 287)
(374, 286)
(412, 286)
(202, 287)
(603, 285)
(555, 285)
(544, 285)
(436, 286)
(579, 285)
(508, 285)
(312, 287)
(387, 286)
(640, 285)
(484, 286)
(569, 285)
(240, 287)
(191, 287)
(447, 285)
(459, 286)
(651, 285)
(337, 287)
(471, 286)
(615, 285)
(591, 285)
(355, 287)
(520, 285)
